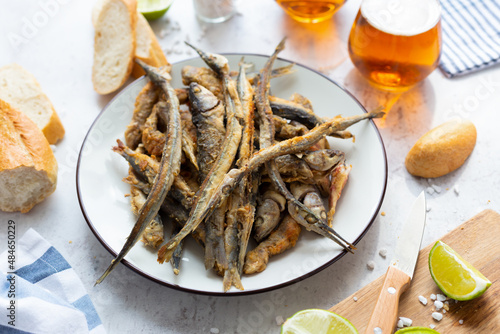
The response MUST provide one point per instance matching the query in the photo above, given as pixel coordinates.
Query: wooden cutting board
(477, 241)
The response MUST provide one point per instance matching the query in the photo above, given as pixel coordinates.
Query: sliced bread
(20, 89)
(147, 47)
(114, 45)
(28, 168)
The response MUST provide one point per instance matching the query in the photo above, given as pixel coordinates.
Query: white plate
(101, 190)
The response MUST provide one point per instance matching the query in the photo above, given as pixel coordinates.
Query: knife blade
(400, 272)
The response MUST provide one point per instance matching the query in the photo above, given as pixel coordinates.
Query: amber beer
(396, 43)
(310, 11)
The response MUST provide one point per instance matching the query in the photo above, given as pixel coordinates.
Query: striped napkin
(49, 296)
(471, 35)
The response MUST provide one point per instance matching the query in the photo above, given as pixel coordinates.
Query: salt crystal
(456, 189)
(461, 322)
(279, 320)
(444, 311)
(377, 330)
(53, 147)
(214, 330)
(406, 321)
(428, 208)
(430, 190)
(370, 265)
(383, 252)
(423, 300)
(433, 297)
(400, 323)
(355, 299)
(441, 297)
(438, 304)
(436, 188)
(431, 326)
(437, 316)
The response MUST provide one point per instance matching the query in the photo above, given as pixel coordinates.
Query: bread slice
(147, 47)
(114, 45)
(19, 88)
(28, 168)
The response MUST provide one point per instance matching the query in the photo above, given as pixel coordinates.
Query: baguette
(28, 168)
(147, 48)
(114, 45)
(20, 89)
(442, 149)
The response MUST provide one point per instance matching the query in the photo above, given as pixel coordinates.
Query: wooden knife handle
(385, 314)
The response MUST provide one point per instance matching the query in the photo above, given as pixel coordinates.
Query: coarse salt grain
(439, 305)
(437, 316)
(461, 322)
(456, 189)
(436, 188)
(279, 320)
(444, 311)
(383, 252)
(430, 190)
(441, 297)
(53, 147)
(377, 330)
(355, 299)
(431, 326)
(433, 297)
(370, 265)
(423, 300)
(214, 330)
(429, 208)
(400, 323)
(406, 321)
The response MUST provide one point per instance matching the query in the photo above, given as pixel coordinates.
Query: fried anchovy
(283, 238)
(309, 195)
(339, 177)
(268, 213)
(224, 162)
(323, 160)
(253, 77)
(153, 233)
(169, 167)
(175, 261)
(189, 141)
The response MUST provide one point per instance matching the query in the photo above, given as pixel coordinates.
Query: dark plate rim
(244, 292)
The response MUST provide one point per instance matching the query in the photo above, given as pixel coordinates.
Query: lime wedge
(153, 9)
(315, 321)
(416, 330)
(457, 278)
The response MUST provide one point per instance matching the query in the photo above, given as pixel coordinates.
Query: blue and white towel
(49, 296)
(471, 35)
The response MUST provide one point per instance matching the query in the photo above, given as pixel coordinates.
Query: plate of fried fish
(231, 174)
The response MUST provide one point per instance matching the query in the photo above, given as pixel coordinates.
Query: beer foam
(402, 17)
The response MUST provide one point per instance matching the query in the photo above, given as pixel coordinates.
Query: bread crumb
(446, 307)
(437, 316)
(423, 300)
(279, 320)
(382, 213)
(383, 252)
(461, 322)
(370, 265)
(430, 190)
(70, 242)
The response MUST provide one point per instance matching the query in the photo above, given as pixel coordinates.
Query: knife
(400, 272)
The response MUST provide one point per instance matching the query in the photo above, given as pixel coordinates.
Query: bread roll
(442, 149)
(147, 48)
(28, 168)
(19, 88)
(114, 45)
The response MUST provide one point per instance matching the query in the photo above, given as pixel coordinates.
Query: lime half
(315, 321)
(153, 9)
(457, 278)
(416, 330)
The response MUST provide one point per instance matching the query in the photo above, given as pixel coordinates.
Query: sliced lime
(457, 278)
(153, 9)
(416, 330)
(315, 321)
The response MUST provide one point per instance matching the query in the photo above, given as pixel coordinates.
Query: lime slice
(416, 330)
(314, 321)
(153, 9)
(457, 278)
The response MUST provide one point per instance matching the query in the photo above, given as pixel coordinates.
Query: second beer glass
(396, 43)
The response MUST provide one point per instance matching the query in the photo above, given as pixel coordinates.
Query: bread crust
(442, 149)
(23, 145)
(131, 6)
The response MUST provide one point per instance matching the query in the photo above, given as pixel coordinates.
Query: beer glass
(396, 43)
(310, 11)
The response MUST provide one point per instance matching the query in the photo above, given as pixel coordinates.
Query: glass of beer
(396, 43)
(310, 11)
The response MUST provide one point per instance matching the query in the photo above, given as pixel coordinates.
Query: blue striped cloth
(471, 35)
(49, 296)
